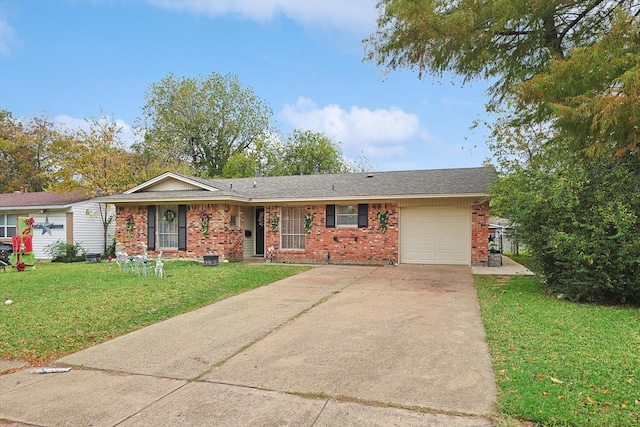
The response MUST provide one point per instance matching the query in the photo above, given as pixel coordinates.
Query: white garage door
(435, 235)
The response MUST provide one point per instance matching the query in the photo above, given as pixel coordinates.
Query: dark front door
(260, 231)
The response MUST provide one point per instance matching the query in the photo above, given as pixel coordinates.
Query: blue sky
(76, 59)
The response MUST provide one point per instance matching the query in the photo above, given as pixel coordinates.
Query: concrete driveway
(337, 345)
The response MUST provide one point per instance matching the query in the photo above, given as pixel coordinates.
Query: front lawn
(61, 308)
(558, 362)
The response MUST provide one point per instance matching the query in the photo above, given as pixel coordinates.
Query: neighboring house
(68, 217)
(433, 217)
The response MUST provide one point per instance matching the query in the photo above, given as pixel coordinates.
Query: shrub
(582, 225)
(65, 252)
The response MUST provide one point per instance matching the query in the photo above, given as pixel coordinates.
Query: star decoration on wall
(46, 227)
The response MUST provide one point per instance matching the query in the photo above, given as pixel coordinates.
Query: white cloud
(6, 36)
(378, 133)
(356, 15)
(127, 135)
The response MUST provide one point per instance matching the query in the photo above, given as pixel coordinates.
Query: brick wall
(480, 233)
(345, 245)
(222, 239)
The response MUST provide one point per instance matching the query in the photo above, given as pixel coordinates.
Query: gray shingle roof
(399, 183)
(41, 199)
(378, 185)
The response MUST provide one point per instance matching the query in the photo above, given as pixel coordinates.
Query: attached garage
(435, 235)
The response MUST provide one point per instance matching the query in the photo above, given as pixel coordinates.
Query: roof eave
(369, 197)
(37, 207)
(165, 200)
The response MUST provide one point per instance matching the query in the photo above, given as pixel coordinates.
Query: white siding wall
(249, 224)
(41, 241)
(87, 226)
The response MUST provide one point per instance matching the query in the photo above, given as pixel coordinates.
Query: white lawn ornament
(159, 266)
(140, 261)
(271, 253)
(122, 259)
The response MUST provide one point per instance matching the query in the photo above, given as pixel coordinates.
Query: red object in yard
(28, 243)
(15, 241)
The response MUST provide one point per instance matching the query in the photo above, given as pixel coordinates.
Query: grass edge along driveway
(62, 308)
(557, 362)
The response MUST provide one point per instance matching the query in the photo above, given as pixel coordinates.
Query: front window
(347, 215)
(168, 227)
(292, 228)
(8, 225)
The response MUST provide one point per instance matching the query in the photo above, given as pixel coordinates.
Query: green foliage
(558, 363)
(65, 252)
(567, 96)
(309, 152)
(508, 41)
(203, 121)
(63, 308)
(110, 250)
(302, 153)
(581, 220)
(308, 223)
(28, 152)
(593, 96)
(383, 220)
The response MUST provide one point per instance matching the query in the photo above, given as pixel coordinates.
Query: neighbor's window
(347, 215)
(292, 228)
(8, 225)
(167, 230)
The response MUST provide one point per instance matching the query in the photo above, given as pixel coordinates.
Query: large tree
(303, 152)
(26, 151)
(95, 161)
(566, 92)
(203, 121)
(506, 41)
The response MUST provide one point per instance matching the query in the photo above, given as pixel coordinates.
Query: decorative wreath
(169, 215)
(383, 219)
(204, 223)
(129, 224)
(308, 223)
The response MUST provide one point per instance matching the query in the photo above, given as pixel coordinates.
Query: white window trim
(301, 233)
(5, 225)
(339, 216)
(159, 220)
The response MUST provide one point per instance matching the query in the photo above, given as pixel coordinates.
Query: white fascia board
(171, 175)
(381, 197)
(35, 207)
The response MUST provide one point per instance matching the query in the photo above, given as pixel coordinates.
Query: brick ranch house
(419, 217)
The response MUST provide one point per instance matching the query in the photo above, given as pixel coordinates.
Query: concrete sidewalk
(508, 268)
(336, 345)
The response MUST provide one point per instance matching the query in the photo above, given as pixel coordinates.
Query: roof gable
(170, 181)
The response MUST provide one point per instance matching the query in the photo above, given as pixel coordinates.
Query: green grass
(61, 308)
(557, 362)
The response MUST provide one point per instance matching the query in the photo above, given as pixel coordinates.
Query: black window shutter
(331, 216)
(151, 228)
(363, 216)
(182, 227)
